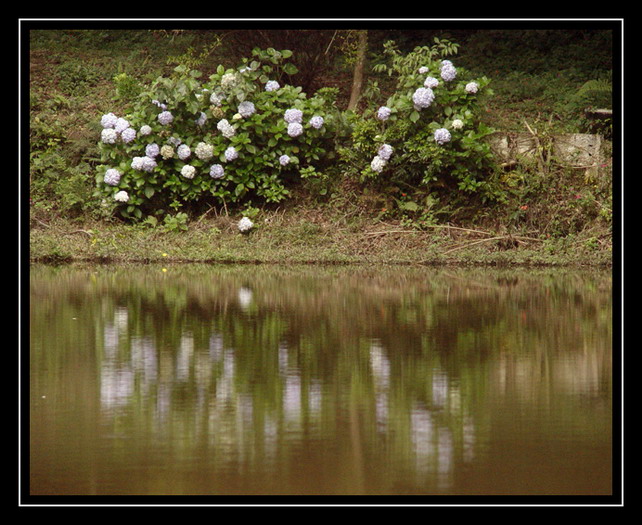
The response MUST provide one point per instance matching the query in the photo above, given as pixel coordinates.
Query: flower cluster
(143, 164)
(226, 129)
(246, 109)
(204, 151)
(383, 113)
(442, 135)
(112, 177)
(472, 87)
(188, 171)
(217, 171)
(245, 225)
(448, 71)
(423, 97)
(165, 118)
(293, 115)
(316, 122)
(231, 154)
(382, 157)
(272, 85)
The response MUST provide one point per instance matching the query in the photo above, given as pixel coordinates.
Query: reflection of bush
(406, 349)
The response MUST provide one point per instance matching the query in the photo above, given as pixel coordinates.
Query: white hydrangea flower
(385, 151)
(246, 109)
(293, 115)
(167, 152)
(457, 124)
(442, 135)
(165, 118)
(108, 136)
(112, 177)
(284, 160)
(204, 151)
(188, 171)
(423, 97)
(295, 129)
(472, 87)
(184, 152)
(431, 82)
(383, 113)
(152, 150)
(245, 225)
(217, 171)
(121, 196)
(229, 80)
(445, 63)
(121, 125)
(108, 120)
(215, 100)
(448, 73)
(225, 128)
(272, 85)
(231, 154)
(316, 122)
(200, 121)
(128, 135)
(137, 163)
(145, 130)
(378, 164)
(423, 70)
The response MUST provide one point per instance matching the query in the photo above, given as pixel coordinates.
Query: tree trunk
(357, 79)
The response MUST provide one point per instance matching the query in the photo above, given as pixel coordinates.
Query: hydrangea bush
(427, 135)
(237, 136)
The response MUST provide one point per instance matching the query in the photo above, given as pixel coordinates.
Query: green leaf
(414, 116)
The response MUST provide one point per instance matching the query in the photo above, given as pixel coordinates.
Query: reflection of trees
(248, 363)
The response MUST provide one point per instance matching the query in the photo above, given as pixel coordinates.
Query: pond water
(252, 380)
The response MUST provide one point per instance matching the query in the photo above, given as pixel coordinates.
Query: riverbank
(308, 236)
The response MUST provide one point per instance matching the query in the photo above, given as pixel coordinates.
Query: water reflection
(332, 381)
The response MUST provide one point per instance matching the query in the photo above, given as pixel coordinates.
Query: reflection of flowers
(245, 297)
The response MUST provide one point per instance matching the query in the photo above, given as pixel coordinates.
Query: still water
(251, 380)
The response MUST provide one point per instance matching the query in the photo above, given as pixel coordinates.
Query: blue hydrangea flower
(231, 154)
(472, 87)
(272, 85)
(423, 97)
(246, 109)
(431, 82)
(385, 151)
(293, 116)
(128, 135)
(152, 150)
(121, 125)
(295, 129)
(284, 160)
(200, 121)
(112, 177)
(378, 164)
(184, 152)
(448, 73)
(217, 171)
(423, 70)
(108, 120)
(316, 122)
(442, 135)
(165, 118)
(383, 113)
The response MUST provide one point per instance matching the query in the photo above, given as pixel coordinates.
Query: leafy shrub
(237, 136)
(428, 136)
